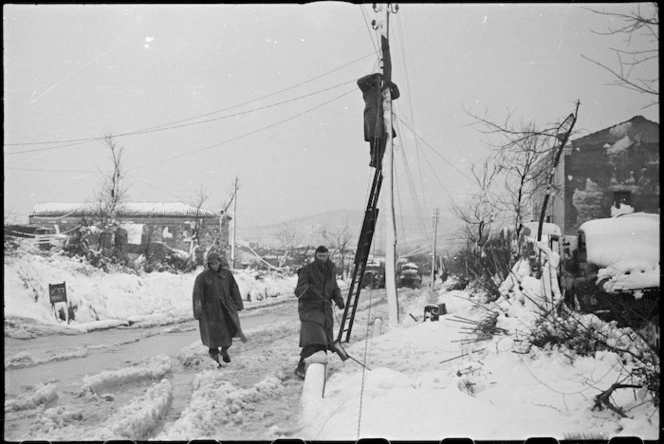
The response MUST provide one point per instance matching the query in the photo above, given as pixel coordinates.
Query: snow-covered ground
(426, 383)
(427, 380)
(104, 300)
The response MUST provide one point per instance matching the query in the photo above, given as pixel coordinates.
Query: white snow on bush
(42, 395)
(153, 368)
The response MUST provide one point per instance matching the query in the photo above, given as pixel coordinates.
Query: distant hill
(411, 230)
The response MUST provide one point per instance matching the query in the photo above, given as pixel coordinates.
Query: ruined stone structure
(600, 172)
(174, 224)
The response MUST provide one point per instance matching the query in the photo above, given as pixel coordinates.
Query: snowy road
(90, 383)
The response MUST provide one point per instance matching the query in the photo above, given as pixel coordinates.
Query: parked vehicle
(374, 275)
(551, 235)
(612, 269)
(409, 276)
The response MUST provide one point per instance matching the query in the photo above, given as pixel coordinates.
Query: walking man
(316, 289)
(217, 302)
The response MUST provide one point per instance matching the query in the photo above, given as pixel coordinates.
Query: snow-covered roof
(626, 246)
(128, 209)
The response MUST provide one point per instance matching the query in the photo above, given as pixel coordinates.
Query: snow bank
(25, 359)
(153, 368)
(136, 419)
(428, 381)
(104, 300)
(42, 395)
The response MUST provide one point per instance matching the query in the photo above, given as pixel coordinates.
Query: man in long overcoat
(316, 289)
(217, 301)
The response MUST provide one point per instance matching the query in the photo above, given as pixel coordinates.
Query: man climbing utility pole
(378, 91)
(383, 12)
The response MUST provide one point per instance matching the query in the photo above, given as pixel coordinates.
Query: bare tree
(632, 67)
(479, 212)
(232, 192)
(113, 191)
(521, 165)
(217, 243)
(339, 242)
(526, 155)
(288, 238)
(199, 200)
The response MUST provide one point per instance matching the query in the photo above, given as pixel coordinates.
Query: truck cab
(409, 276)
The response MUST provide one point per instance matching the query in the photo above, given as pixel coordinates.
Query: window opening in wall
(622, 197)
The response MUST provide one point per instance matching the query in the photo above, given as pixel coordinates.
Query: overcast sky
(267, 93)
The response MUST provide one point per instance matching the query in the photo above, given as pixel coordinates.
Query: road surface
(272, 349)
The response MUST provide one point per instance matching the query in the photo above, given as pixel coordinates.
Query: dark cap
(322, 249)
(213, 257)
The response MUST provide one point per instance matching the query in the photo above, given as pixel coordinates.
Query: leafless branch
(630, 25)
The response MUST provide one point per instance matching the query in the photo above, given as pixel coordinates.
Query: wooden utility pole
(235, 188)
(383, 13)
(432, 296)
(563, 133)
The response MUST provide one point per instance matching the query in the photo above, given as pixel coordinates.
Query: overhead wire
(163, 190)
(194, 123)
(404, 64)
(242, 136)
(140, 131)
(435, 151)
(418, 207)
(371, 35)
(214, 145)
(200, 122)
(403, 225)
(51, 171)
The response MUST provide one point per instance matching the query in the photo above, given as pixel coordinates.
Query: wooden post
(388, 170)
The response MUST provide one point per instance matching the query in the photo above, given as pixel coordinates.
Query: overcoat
(316, 288)
(216, 301)
(370, 85)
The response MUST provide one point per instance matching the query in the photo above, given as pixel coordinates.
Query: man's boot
(224, 355)
(299, 371)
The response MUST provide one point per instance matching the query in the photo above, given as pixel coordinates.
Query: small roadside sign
(57, 292)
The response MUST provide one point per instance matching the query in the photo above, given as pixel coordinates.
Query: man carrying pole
(316, 289)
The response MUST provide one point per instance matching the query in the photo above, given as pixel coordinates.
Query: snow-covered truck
(612, 269)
